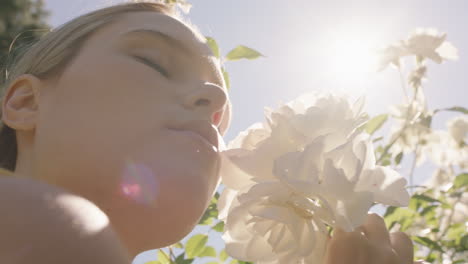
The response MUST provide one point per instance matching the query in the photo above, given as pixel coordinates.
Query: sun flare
(352, 55)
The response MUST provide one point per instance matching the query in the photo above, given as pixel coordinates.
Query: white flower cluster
(450, 148)
(412, 131)
(422, 43)
(306, 169)
(410, 127)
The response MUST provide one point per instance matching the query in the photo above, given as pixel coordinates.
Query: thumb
(403, 246)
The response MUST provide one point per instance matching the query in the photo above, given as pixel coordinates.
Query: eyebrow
(170, 41)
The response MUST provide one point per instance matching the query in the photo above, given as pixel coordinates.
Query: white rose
(431, 44)
(458, 128)
(409, 129)
(345, 180)
(424, 43)
(307, 168)
(290, 128)
(445, 151)
(441, 179)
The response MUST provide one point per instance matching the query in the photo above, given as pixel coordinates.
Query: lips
(204, 129)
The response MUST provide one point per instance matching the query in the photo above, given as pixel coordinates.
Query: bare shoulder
(41, 223)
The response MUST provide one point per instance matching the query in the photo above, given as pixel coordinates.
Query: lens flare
(139, 183)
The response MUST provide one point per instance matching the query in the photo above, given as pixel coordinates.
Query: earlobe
(20, 104)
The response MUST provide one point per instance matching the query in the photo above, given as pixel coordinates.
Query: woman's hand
(370, 244)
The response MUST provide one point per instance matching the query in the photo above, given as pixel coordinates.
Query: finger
(403, 246)
(338, 233)
(375, 229)
(347, 247)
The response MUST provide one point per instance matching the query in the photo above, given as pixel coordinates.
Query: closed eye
(153, 65)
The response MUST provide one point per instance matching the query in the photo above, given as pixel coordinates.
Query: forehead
(163, 26)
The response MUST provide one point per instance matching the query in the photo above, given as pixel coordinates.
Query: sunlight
(352, 56)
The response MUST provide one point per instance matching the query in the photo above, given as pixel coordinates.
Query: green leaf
(428, 243)
(177, 245)
(425, 198)
(181, 260)
(429, 210)
(421, 200)
(216, 196)
(219, 227)
(400, 215)
(375, 123)
(243, 52)
(458, 109)
(210, 214)
(195, 245)
(163, 257)
(208, 252)
(153, 262)
(461, 181)
(385, 162)
(223, 255)
(464, 243)
(398, 158)
(377, 139)
(226, 78)
(211, 42)
(456, 231)
(431, 257)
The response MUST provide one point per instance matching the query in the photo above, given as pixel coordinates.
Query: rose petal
(387, 185)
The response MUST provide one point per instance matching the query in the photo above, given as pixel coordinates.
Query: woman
(111, 125)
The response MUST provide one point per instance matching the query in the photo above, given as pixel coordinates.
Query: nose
(209, 99)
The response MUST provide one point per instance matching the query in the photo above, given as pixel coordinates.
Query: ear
(20, 104)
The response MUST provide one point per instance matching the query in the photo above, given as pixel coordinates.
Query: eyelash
(153, 65)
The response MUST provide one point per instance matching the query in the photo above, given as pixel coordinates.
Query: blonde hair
(53, 51)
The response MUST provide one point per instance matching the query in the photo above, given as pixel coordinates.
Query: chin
(143, 228)
(160, 194)
(169, 217)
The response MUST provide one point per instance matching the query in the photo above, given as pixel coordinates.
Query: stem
(413, 166)
(416, 186)
(403, 84)
(172, 253)
(387, 148)
(170, 259)
(453, 255)
(408, 112)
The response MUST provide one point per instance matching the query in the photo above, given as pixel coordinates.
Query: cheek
(164, 191)
(95, 115)
(170, 166)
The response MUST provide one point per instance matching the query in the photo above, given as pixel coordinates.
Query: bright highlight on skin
(95, 220)
(139, 184)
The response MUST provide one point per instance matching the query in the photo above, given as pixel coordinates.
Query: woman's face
(131, 125)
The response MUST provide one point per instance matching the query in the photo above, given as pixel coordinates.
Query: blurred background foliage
(21, 23)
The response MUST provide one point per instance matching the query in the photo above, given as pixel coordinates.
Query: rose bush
(275, 205)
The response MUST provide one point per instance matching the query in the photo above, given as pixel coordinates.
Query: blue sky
(296, 36)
